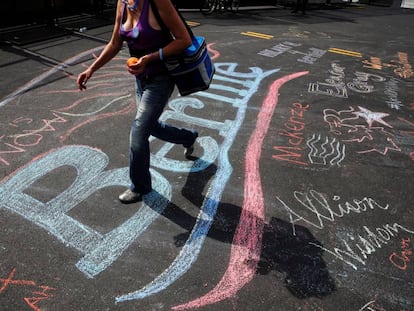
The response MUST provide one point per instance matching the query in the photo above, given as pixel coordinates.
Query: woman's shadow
(292, 252)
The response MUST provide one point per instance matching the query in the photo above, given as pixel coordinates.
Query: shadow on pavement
(295, 254)
(298, 257)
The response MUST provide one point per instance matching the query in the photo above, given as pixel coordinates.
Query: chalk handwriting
(404, 69)
(365, 244)
(372, 306)
(234, 88)
(377, 63)
(373, 63)
(391, 91)
(278, 49)
(336, 86)
(313, 208)
(293, 130)
(360, 83)
(20, 142)
(401, 259)
(38, 295)
(27, 133)
(308, 57)
(100, 250)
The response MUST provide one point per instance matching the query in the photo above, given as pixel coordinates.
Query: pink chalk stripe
(247, 241)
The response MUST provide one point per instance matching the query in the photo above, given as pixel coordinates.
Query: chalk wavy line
(246, 246)
(324, 153)
(48, 73)
(124, 111)
(190, 251)
(311, 144)
(215, 53)
(340, 150)
(332, 148)
(102, 108)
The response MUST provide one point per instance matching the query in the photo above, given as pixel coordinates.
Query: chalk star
(371, 116)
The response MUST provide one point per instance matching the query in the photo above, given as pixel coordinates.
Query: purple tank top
(142, 39)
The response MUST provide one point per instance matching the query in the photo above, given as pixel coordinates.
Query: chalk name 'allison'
(314, 209)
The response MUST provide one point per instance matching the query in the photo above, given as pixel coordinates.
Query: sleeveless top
(142, 39)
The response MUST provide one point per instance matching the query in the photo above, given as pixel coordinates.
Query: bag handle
(160, 21)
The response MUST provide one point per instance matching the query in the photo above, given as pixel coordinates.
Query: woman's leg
(152, 97)
(174, 134)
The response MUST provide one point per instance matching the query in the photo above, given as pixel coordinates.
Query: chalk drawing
(360, 83)
(235, 88)
(357, 127)
(32, 302)
(294, 31)
(371, 116)
(391, 91)
(314, 209)
(99, 250)
(293, 133)
(246, 245)
(405, 70)
(401, 66)
(325, 151)
(28, 133)
(336, 86)
(362, 245)
(308, 57)
(278, 49)
(31, 84)
(375, 306)
(401, 259)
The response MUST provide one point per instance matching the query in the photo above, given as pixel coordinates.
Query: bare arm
(176, 26)
(110, 51)
(174, 23)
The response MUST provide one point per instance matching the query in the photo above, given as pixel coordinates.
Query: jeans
(152, 96)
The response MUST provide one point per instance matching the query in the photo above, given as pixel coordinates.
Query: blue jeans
(151, 97)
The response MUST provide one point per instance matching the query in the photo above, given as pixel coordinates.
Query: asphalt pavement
(298, 196)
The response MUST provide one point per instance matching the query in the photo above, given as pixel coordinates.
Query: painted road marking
(345, 52)
(192, 24)
(257, 35)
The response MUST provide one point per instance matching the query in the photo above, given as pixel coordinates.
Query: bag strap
(161, 22)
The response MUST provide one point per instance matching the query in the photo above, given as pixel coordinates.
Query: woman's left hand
(139, 67)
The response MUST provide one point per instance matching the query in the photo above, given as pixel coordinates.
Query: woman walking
(150, 43)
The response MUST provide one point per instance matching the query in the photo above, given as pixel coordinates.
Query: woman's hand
(139, 67)
(83, 77)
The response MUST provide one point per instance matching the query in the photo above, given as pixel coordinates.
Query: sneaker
(129, 196)
(188, 150)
